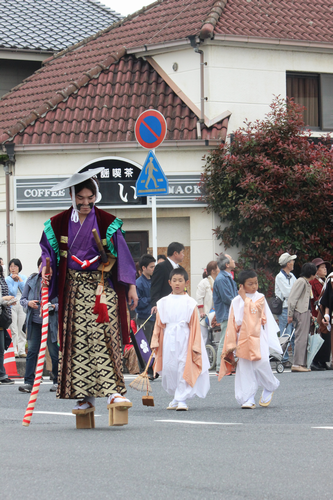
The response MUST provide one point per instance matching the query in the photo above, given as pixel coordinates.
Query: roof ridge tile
(207, 30)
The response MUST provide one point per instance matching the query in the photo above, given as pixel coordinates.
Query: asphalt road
(214, 451)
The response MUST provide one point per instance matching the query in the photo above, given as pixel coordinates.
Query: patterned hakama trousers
(90, 362)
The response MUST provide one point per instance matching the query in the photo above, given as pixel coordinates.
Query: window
(315, 92)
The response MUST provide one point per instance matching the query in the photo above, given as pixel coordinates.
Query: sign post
(150, 131)
(154, 225)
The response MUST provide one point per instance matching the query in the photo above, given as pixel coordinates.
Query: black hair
(179, 271)
(308, 270)
(174, 247)
(146, 259)
(89, 184)
(138, 270)
(161, 256)
(245, 275)
(39, 261)
(17, 263)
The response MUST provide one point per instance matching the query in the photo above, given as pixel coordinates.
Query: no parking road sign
(152, 180)
(150, 129)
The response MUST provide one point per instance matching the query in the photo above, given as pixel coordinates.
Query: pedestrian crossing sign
(152, 180)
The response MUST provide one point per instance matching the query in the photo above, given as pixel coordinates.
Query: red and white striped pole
(42, 350)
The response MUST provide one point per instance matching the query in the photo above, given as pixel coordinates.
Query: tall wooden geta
(118, 413)
(85, 419)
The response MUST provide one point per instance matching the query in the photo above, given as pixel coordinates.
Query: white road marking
(321, 427)
(197, 422)
(58, 413)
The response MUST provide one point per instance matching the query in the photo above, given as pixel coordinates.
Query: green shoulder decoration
(48, 230)
(116, 224)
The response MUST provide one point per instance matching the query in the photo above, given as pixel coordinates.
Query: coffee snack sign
(117, 186)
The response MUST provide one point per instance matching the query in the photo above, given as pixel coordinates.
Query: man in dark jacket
(30, 300)
(160, 279)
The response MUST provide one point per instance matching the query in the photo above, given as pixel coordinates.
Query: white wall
(242, 79)
(191, 226)
(187, 77)
(245, 80)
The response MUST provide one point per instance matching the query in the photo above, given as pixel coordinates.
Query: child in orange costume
(181, 357)
(251, 331)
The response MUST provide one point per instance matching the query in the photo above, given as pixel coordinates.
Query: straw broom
(141, 383)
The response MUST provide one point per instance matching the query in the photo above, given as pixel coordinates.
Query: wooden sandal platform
(118, 413)
(85, 419)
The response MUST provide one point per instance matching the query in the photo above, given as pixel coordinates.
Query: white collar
(174, 265)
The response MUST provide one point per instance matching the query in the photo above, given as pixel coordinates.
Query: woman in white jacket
(204, 295)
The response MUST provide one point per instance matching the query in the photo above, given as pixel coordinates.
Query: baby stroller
(285, 340)
(213, 340)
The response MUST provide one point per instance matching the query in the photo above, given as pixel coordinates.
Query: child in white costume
(181, 356)
(251, 331)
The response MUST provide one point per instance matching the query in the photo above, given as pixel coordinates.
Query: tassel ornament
(99, 292)
(103, 315)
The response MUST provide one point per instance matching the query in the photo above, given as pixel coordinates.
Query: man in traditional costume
(251, 331)
(181, 356)
(90, 361)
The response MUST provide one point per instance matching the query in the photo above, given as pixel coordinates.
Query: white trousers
(18, 336)
(175, 345)
(250, 375)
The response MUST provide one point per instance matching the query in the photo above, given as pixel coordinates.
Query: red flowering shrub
(273, 186)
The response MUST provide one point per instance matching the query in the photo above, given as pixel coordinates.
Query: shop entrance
(137, 242)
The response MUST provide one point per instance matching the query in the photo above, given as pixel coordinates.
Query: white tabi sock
(117, 398)
(266, 396)
(251, 401)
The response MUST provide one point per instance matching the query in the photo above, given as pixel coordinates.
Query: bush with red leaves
(274, 188)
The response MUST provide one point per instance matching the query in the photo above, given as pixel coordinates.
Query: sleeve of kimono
(193, 366)
(158, 331)
(47, 251)
(230, 344)
(126, 267)
(157, 343)
(230, 341)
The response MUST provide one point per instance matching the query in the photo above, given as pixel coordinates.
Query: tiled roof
(51, 25)
(106, 109)
(164, 21)
(306, 20)
(68, 71)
